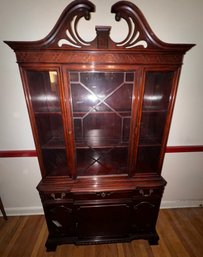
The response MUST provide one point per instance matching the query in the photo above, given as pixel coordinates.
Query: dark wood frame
(69, 201)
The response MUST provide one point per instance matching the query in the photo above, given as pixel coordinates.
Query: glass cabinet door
(45, 100)
(157, 92)
(101, 104)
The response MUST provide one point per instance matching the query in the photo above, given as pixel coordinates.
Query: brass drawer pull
(141, 191)
(103, 194)
(59, 198)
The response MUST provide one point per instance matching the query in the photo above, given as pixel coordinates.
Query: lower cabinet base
(53, 242)
(119, 214)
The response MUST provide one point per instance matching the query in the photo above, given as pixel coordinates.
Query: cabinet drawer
(60, 218)
(56, 196)
(103, 195)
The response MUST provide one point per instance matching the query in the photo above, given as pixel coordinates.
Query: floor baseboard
(181, 204)
(24, 211)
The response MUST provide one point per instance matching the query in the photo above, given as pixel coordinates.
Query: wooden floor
(180, 231)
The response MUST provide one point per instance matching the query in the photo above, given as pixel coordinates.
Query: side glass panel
(45, 100)
(101, 103)
(157, 92)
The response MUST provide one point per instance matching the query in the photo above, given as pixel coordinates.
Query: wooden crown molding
(65, 35)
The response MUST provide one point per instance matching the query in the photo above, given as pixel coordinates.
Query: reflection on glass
(43, 88)
(101, 104)
(43, 91)
(157, 90)
(155, 106)
(53, 80)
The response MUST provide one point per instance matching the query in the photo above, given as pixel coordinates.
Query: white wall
(172, 21)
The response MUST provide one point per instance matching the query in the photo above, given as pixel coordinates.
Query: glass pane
(152, 127)
(147, 158)
(157, 90)
(45, 101)
(55, 161)
(44, 91)
(101, 104)
(50, 130)
(156, 99)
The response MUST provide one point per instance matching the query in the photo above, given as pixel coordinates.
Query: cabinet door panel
(60, 219)
(103, 220)
(45, 101)
(155, 106)
(144, 216)
(101, 104)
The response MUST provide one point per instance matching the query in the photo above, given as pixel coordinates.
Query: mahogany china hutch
(100, 113)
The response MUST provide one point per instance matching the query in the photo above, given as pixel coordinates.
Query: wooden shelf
(47, 113)
(153, 110)
(54, 143)
(100, 143)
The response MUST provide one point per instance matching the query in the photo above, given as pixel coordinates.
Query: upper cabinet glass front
(158, 86)
(45, 100)
(102, 107)
(101, 104)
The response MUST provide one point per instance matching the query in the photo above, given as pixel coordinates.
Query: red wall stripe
(169, 149)
(184, 149)
(18, 153)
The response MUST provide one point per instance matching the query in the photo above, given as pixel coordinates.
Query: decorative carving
(108, 58)
(64, 35)
(140, 205)
(67, 33)
(104, 194)
(72, 36)
(130, 13)
(132, 39)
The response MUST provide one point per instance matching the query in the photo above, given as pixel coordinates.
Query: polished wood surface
(100, 113)
(180, 230)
